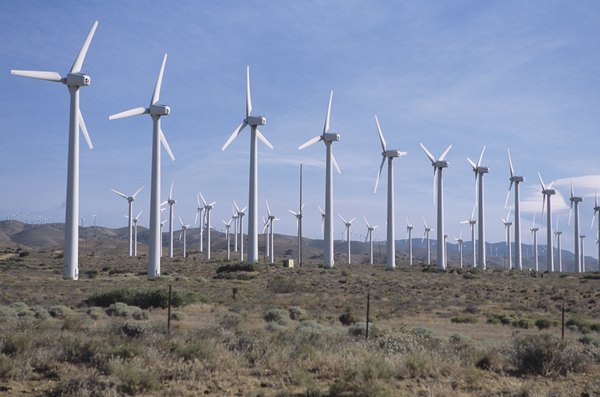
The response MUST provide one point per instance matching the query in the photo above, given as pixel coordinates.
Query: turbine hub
(482, 170)
(160, 110)
(440, 164)
(392, 153)
(549, 192)
(329, 137)
(576, 199)
(256, 121)
(77, 80)
(517, 179)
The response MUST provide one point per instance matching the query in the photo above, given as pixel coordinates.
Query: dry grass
(272, 331)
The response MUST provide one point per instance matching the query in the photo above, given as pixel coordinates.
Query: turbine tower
(426, 235)
(228, 237)
(557, 234)
(156, 111)
(253, 122)
(236, 222)
(328, 139)
(270, 219)
(460, 241)
(479, 171)
(208, 208)
(596, 212)
(347, 225)
(507, 224)
(171, 201)
(575, 203)
(74, 80)
(199, 215)
(514, 179)
(389, 155)
(472, 222)
(534, 231)
(547, 193)
(582, 260)
(135, 232)
(184, 229)
(370, 239)
(240, 215)
(409, 228)
(130, 200)
(298, 216)
(438, 166)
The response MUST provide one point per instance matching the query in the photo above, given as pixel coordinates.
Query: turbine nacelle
(482, 170)
(254, 121)
(77, 80)
(549, 192)
(330, 137)
(159, 110)
(517, 179)
(393, 153)
(575, 199)
(440, 164)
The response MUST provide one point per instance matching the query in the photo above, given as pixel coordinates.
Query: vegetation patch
(121, 309)
(144, 298)
(464, 320)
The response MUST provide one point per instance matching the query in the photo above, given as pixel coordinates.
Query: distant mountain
(105, 241)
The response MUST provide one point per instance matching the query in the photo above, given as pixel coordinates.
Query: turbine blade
(180, 221)
(138, 215)
(473, 212)
(481, 156)
(248, 97)
(510, 164)
(156, 93)
(328, 116)
(264, 140)
(473, 165)
(212, 204)
(335, 164)
(381, 138)
(424, 223)
(434, 185)
(234, 135)
(572, 191)
(428, 153)
(343, 220)
(119, 193)
(541, 181)
(570, 213)
(164, 142)
(443, 156)
(34, 74)
(196, 218)
(268, 208)
(202, 198)
(134, 195)
(84, 130)
(236, 206)
(128, 113)
(171, 191)
(379, 174)
(321, 210)
(76, 68)
(352, 220)
(366, 222)
(310, 142)
(293, 213)
(507, 196)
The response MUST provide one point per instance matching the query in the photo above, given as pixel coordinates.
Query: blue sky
(467, 73)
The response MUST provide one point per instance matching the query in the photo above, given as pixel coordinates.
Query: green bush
(279, 316)
(40, 312)
(230, 320)
(285, 285)
(370, 377)
(6, 366)
(121, 309)
(464, 320)
(348, 317)
(177, 316)
(135, 329)
(133, 380)
(542, 323)
(96, 312)
(144, 298)
(237, 267)
(298, 314)
(60, 311)
(521, 323)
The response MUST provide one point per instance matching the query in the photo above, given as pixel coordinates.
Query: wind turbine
(507, 224)
(235, 219)
(183, 233)
(409, 228)
(596, 212)
(575, 203)
(426, 235)
(534, 231)
(557, 233)
(227, 236)
(130, 200)
(547, 193)
(156, 111)
(298, 216)
(199, 215)
(460, 241)
(267, 239)
(438, 166)
(171, 201)
(479, 172)
(370, 239)
(270, 219)
(328, 139)
(582, 260)
(240, 214)
(389, 155)
(135, 232)
(208, 208)
(253, 122)
(74, 80)
(514, 179)
(347, 225)
(322, 220)
(472, 222)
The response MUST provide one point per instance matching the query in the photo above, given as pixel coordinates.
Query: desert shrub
(230, 320)
(6, 366)
(415, 365)
(348, 317)
(368, 377)
(539, 355)
(542, 323)
(285, 285)
(275, 327)
(472, 308)
(144, 298)
(133, 380)
(8, 312)
(360, 329)
(121, 309)
(313, 327)
(135, 329)
(96, 312)
(493, 320)
(77, 350)
(237, 267)
(464, 319)
(189, 351)
(489, 360)
(23, 254)
(279, 316)
(297, 313)
(125, 351)
(17, 343)
(586, 340)
(423, 332)
(177, 316)
(60, 311)
(90, 385)
(520, 323)
(40, 312)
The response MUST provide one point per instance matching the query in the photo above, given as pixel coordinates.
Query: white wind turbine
(253, 122)
(235, 218)
(575, 203)
(582, 259)
(130, 200)
(162, 223)
(438, 166)
(298, 216)
(328, 139)
(270, 219)
(207, 208)
(409, 228)
(74, 80)
(135, 232)
(479, 171)
(228, 237)
(347, 225)
(199, 216)
(240, 214)
(370, 239)
(267, 238)
(557, 234)
(534, 231)
(426, 236)
(156, 111)
(547, 193)
(171, 201)
(460, 242)
(514, 179)
(472, 222)
(183, 233)
(389, 155)
(596, 212)
(507, 224)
